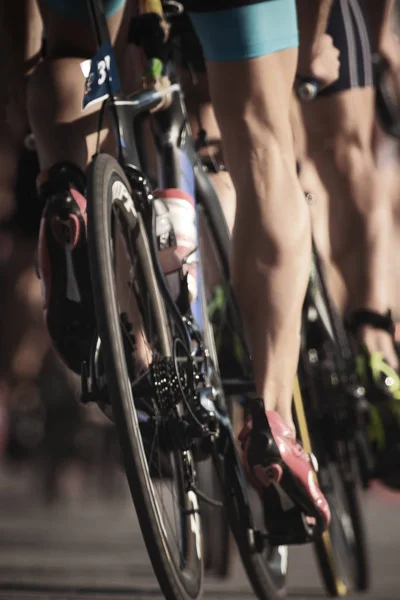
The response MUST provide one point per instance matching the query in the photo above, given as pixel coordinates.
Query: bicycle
(170, 412)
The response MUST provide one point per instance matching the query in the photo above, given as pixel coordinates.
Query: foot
(63, 264)
(283, 474)
(382, 385)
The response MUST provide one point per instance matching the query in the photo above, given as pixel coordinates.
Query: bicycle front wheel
(137, 338)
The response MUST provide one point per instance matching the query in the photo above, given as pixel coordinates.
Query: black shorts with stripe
(348, 29)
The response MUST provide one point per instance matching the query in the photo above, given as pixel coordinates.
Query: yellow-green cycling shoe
(382, 385)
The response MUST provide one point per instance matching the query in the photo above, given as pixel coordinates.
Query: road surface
(87, 549)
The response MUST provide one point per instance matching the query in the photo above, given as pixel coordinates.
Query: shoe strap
(364, 316)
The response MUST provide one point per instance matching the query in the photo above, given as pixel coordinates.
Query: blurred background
(67, 526)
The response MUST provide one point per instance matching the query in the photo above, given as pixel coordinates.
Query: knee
(348, 147)
(347, 155)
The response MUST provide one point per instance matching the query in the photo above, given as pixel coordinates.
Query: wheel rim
(343, 538)
(176, 507)
(274, 557)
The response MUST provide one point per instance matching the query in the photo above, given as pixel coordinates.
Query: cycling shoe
(295, 510)
(382, 386)
(63, 264)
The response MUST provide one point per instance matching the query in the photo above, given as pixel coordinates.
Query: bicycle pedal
(289, 516)
(292, 529)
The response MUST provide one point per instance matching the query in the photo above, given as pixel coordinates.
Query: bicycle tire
(335, 586)
(354, 501)
(103, 172)
(265, 570)
(220, 544)
(217, 545)
(266, 575)
(358, 573)
(327, 556)
(217, 537)
(345, 356)
(338, 577)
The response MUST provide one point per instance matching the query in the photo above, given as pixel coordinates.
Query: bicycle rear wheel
(325, 371)
(345, 363)
(330, 569)
(267, 567)
(217, 539)
(135, 330)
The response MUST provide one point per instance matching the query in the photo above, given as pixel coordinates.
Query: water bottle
(177, 239)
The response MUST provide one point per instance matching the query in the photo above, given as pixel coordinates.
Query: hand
(323, 64)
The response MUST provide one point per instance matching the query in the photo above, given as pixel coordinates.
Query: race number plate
(97, 70)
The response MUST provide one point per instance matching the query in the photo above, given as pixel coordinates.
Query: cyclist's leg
(340, 126)
(246, 49)
(384, 25)
(271, 236)
(63, 132)
(66, 139)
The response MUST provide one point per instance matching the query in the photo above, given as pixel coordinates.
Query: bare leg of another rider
(62, 131)
(340, 127)
(386, 147)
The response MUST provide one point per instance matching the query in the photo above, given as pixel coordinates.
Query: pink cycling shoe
(63, 264)
(295, 510)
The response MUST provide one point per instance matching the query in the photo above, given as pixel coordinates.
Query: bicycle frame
(177, 150)
(178, 163)
(180, 167)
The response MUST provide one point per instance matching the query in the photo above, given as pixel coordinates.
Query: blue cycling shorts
(227, 29)
(76, 10)
(234, 30)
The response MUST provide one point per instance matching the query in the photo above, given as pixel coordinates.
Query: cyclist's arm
(312, 18)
